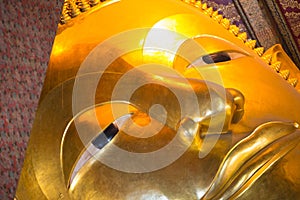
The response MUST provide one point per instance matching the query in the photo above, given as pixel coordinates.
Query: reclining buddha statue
(162, 99)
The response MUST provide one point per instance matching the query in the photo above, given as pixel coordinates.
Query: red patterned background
(27, 30)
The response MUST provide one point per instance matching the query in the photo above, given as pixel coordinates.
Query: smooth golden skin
(255, 157)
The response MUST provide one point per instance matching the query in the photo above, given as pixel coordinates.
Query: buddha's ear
(283, 64)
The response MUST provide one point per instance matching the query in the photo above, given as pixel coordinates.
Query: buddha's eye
(217, 57)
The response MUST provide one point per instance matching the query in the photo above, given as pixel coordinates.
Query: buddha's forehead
(182, 22)
(209, 33)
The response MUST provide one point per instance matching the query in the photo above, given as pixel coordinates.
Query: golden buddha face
(203, 102)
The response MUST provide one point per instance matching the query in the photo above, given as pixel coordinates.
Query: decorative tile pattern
(285, 15)
(227, 8)
(262, 27)
(291, 12)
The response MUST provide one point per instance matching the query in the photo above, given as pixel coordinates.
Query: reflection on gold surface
(213, 116)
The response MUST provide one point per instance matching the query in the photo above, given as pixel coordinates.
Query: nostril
(239, 101)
